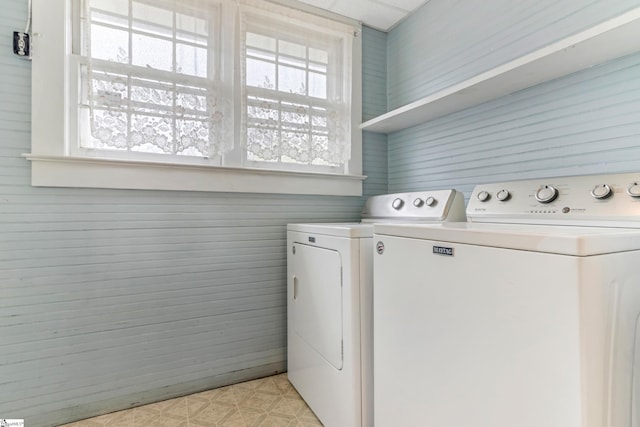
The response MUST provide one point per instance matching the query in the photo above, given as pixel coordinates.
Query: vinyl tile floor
(266, 402)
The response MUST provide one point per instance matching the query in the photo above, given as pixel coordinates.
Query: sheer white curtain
(296, 85)
(157, 76)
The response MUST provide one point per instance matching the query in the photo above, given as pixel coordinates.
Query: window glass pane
(261, 74)
(262, 42)
(295, 147)
(261, 54)
(151, 52)
(317, 55)
(152, 19)
(193, 137)
(191, 24)
(109, 44)
(115, 7)
(320, 151)
(291, 80)
(109, 89)
(263, 144)
(295, 114)
(296, 62)
(113, 20)
(263, 111)
(318, 85)
(151, 95)
(191, 100)
(319, 121)
(109, 130)
(191, 29)
(151, 134)
(321, 68)
(292, 49)
(191, 60)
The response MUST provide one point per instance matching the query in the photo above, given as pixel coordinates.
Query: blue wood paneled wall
(374, 103)
(585, 123)
(448, 41)
(112, 298)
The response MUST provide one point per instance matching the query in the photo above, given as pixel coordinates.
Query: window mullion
(280, 109)
(309, 106)
(129, 78)
(174, 119)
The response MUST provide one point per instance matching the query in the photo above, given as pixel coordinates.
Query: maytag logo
(441, 250)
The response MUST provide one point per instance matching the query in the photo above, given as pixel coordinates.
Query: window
(151, 80)
(296, 99)
(212, 95)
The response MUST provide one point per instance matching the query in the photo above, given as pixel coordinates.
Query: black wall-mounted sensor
(21, 44)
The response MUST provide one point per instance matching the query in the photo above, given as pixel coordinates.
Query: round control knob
(397, 204)
(484, 196)
(430, 201)
(418, 202)
(546, 194)
(601, 191)
(503, 195)
(634, 190)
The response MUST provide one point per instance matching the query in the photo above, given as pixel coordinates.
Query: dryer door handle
(295, 286)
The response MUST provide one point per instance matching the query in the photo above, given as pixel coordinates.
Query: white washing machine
(525, 316)
(329, 303)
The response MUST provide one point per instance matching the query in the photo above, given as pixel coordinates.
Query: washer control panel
(581, 200)
(437, 205)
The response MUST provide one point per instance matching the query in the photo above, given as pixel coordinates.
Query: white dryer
(329, 303)
(525, 316)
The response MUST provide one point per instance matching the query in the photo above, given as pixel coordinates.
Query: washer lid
(336, 229)
(566, 240)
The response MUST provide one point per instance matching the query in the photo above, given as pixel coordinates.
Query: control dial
(634, 189)
(418, 202)
(546, 194)
(503, 195)
(484, 196)
(430, 201)
(397, 204)
(601, 191)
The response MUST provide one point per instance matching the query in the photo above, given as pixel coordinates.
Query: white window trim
(52, 164)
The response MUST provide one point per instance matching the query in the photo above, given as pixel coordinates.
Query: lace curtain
(158, 77)
(153, 77)
(296, 86)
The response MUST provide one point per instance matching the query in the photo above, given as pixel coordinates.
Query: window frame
(54, 129)
(284, 33)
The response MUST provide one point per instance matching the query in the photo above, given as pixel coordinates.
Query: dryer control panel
(593, 200)
(436, 205)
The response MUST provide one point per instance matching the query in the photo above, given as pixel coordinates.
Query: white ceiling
(379, 14)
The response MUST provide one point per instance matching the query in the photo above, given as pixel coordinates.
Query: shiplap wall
(585, 123)
(374, 103)
(113, 298)
(448, 41)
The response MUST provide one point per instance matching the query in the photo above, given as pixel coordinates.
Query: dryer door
(316, 300)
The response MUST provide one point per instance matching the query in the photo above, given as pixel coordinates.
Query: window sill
(78, 172)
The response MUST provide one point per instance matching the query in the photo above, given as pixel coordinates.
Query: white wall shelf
(609, 40)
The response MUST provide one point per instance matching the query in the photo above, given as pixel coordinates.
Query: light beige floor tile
(260, 400)
(289, 407)
(265, 402)
(268, 385)
(211, 414)
(275, 421)
(85, 423)
(252, 385)
(252, 417)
